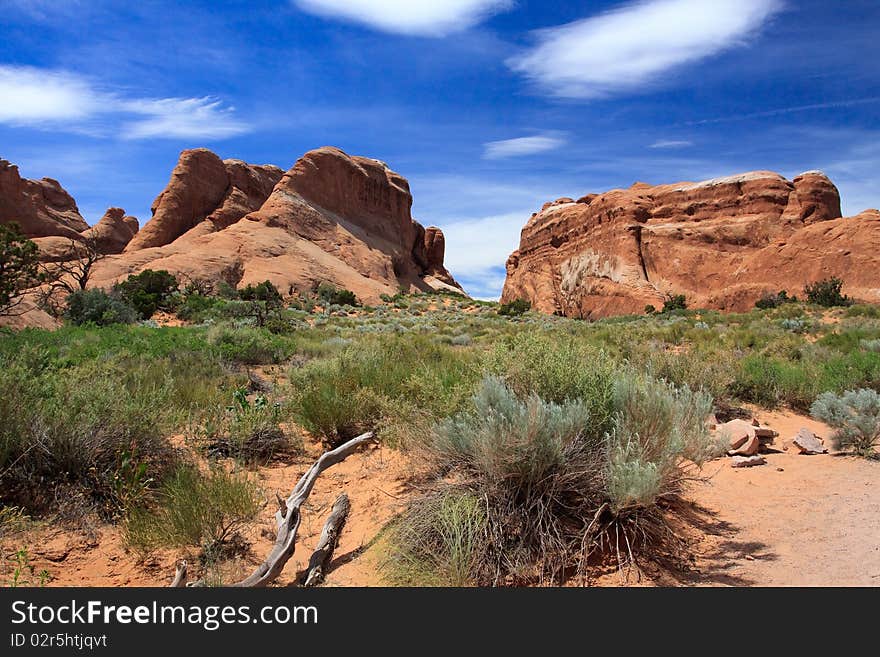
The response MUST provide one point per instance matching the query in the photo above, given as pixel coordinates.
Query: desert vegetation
(540, 443)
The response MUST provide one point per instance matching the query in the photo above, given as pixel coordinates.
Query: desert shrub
(387, 379)
(249, 431)
(148, 291)
(515, 308)
(19, 266)
(461, 340)
(194, 509)
(537, 491)
(794, 325)
(98, 308)
(93, 441)
(871, 345)
(770, 300)
(251, 346)
(650, 309)
(265, 291)
(329, 294)
(827, 292)
(856, 417)
(196, 307)
(674, 302)
(558, 370)
(863, 310)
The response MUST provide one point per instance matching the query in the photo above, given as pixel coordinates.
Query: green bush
(827, 292)
(98, 308)
(515, 308)
(330, 295)
(674, 302)
(197, 307)
(856, 417)
(148, 291)
(251, 346)
(770, 300)
(194, 509)
(19, 266)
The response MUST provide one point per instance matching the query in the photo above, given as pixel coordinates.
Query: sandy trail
(797, 521)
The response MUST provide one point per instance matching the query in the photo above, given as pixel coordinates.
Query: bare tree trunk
(288, 517)
(323, 554)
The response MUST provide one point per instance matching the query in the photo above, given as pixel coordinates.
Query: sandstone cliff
(330, 218)
(722, 243)
(41, 208)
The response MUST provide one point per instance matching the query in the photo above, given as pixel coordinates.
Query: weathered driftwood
(179, 576)
(288, 517)
(327, 543)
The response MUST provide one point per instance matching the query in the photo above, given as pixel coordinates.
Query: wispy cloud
(60, 100)
(520, 146)
(671, 143)
(412, 17)
(625, 49)
(789, 110)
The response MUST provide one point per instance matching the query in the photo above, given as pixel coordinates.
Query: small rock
(780, 469)
(808, 443)
(747, 461)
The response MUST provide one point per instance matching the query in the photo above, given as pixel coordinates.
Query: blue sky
(489, 107)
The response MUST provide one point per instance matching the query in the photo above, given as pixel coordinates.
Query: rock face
(722, 243)
(330, 218)
(41, 208)
(204, 188)
(114, 231)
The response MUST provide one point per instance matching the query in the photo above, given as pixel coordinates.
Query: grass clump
(194, 509)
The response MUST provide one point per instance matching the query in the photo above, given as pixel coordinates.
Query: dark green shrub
(98, 308)
(674, 302)
(148, 291)
(265, 291)
(515, 308)
(330, 295)
(197, 307)
(650, 309)
(770, 300)
(19, 266)
(827, 292)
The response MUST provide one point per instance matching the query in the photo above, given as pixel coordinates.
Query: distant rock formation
(205, 190)
(330, 218)
(41, 208)
(722, 243)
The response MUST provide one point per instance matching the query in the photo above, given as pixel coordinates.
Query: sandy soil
(797, 521)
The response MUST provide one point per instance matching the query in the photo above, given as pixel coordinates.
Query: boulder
(748, 448)
(113, 232)
(808, 443)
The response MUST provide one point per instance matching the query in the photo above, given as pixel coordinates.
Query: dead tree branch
(323, 553)
(287, 518)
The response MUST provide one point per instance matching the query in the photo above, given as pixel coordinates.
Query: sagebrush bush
(194, 509)
(553, 491)
(98, 308)
(856, 417)
(251, 346)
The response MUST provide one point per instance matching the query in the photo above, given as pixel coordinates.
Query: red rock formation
(331, 217)
(113, 232)
(41, 208)
(205, 188)
(722, 243)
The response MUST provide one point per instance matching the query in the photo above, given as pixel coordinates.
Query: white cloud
(497, 150)
(476, 247)
(31, 95)
(671, 143)
(412, 17)
(61, 100)
(183, 117)
(627, 48)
